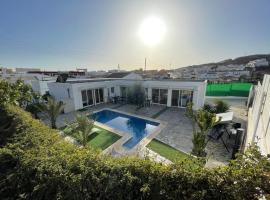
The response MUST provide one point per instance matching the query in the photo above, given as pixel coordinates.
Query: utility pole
(144, 64)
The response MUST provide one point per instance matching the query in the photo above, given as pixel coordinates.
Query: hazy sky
(64, 34)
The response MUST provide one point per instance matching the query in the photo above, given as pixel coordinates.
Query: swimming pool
(137, 127)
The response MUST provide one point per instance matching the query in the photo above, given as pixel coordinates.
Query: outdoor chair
(234, 128)
(216, 133)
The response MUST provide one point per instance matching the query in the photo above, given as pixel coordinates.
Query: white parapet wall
(259, 117)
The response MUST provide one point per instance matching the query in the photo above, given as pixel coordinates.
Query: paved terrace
(177, 133)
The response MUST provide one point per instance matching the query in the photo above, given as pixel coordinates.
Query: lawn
(102, 139)
(168, 152)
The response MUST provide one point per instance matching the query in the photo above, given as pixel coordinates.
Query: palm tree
(221, 106)
(202, 122)
(52, 110)
(81, 129)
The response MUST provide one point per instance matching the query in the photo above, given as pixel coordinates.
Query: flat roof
(113, 79)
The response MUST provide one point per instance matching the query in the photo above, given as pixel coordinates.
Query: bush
(37, 163)
(136, 95)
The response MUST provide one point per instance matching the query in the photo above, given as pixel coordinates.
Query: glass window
(175, 98)
(186, 97)
(100, 94)
(112, 90)
(97, 96)
(90, 97)
(84, 97)
(123, 91)
(163, 96)
(155, 95)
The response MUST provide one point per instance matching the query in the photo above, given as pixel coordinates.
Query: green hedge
(228, 89)
(35, 163)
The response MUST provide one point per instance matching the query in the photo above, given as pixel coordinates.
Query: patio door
(180, 98)
(87, 97)
(99, 97)
(123, 92)
(160, 96)
(175, 98)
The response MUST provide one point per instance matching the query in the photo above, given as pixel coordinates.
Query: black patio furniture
(216, 133)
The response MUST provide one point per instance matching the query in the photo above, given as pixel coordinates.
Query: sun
(152, 30)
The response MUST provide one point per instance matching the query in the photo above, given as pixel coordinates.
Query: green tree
(202, 122)
(51, 109)
(81, 129)
(221, 106)
(16, 93)
(136, 95)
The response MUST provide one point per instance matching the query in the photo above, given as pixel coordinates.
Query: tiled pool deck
(177, 132)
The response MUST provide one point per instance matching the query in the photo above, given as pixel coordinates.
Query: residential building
(258, 63)
(78, 94)
(259, 117)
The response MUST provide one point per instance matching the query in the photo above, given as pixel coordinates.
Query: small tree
(52, 110)
(136, 95)
(81, 129)
(15, 93)
(221, 106)
(202, 122)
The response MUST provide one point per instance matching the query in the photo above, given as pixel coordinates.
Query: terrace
(174, 141)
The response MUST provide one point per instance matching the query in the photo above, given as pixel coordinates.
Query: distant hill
(238, 61)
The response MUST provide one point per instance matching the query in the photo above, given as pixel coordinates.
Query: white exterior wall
(65, 93)
(40, 86)
(259, 117)
(59, 90)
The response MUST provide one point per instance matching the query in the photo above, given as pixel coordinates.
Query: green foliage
(51, 109)
(221, 106)
(218, 107)
(37, 163)
(202, 122)
(136, 95)
(16, 93)
(81, 129)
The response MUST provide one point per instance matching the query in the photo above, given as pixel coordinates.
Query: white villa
(259, 117)
(78, 94)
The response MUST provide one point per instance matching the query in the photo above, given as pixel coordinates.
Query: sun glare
(152, 31)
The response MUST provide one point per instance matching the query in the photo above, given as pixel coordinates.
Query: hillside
(238, 61)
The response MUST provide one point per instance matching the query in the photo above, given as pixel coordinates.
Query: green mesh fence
(228, 89)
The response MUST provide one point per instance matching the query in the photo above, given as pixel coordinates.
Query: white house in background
(258, 63)
(79, 94)
(259, 117)
(38, 82)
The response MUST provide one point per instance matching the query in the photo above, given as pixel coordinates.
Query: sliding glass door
(87, 97)
(175, 98)
(99, 95)
(123, 92)
(180, 98)
(91, 97)
(160, 96)
(155, 95)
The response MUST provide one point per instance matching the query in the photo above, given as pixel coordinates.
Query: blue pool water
(138, 128)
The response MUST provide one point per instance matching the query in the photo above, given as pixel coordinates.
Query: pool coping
(117, 146)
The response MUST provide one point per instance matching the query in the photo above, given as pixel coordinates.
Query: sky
(99, 35)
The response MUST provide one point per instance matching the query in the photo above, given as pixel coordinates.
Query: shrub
(221, 106)
(136, 95)
(37, 163)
